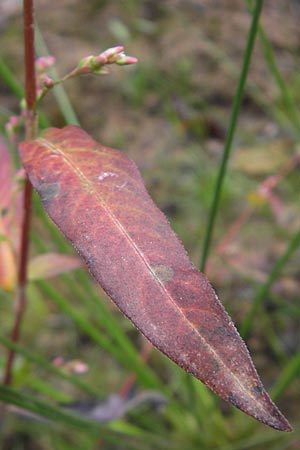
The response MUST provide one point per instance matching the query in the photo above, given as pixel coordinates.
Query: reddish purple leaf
(11, 207)
(8, 270)
(97, 198)
(6, 173)
(7, 256)
(49, 265)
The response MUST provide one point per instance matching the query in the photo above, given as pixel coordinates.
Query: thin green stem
(253, 90)
(264, 288)
(275, 71)
(283, 88)
(290, 371)
(229, 138)
(126, 358)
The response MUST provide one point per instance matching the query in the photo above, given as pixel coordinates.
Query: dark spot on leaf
(48, 191)
(258, 389)
(163, 273)
(4, 212)
(216, 365)
(224, 331)
(234, 399)
(219, 334)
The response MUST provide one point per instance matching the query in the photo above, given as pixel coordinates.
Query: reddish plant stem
(30, 133)
(30, 83)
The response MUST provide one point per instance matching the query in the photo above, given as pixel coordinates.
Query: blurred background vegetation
(170, 113)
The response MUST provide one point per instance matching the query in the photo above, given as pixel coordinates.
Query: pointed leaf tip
(97, 198)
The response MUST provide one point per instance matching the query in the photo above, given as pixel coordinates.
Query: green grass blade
(10, 80)
(40, 386)
(62, 99)
(282, 86)
(50, 368)
(292, 310)
(264, 288)
(12, 83)
(232, 127)
(290, 371)
(254, 92)
(46, 410)
(256, 441)
(145, 376)
(60, 94)
(113, 432)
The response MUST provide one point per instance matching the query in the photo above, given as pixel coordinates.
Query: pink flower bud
(47, 82)
(85, 62)
(112, 53)
(58, 361)
(14, 120)
(44, 62)
(97, 64)
(101, 71)
(98, 61)
(126, 60)
(11, 127)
